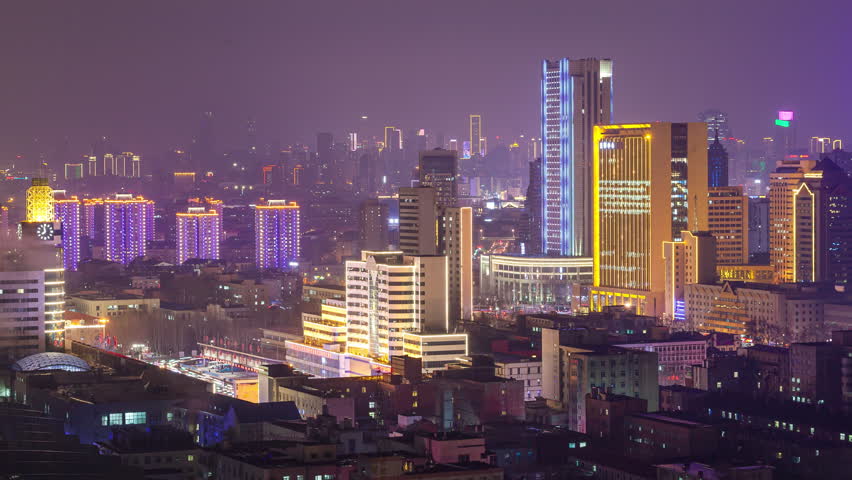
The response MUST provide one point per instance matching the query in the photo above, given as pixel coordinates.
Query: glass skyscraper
(575, 96)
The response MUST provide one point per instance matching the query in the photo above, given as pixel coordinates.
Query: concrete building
(523, 369)
(728, 221)
(438, 169)
(417, 215)
(569, 373)
(647, 184)
(531, 281)
(675, 357)
(455, 239)
(106, 306)
(373, 227)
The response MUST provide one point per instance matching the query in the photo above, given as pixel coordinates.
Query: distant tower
(198, 234)
(439, 169)
(477, 145)
(373, 228)
(534, 209)
(277, 234)
(717, 164)
(576, 95)
(717, 124)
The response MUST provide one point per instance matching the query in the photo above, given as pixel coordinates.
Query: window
(190, 458)
(134, 418)
(116, 419)
(104, 420)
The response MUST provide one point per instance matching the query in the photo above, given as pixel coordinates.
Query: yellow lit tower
(40, 201)
(649, 185)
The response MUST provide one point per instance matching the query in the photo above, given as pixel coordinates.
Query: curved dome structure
(51, 361)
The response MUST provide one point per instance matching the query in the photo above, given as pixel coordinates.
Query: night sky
(142, 72)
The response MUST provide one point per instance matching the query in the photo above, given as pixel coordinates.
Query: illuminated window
(134, 418)
(116, 419)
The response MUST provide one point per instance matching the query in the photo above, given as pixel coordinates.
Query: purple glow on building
(277, 232)
(126, 224)
(68, 212)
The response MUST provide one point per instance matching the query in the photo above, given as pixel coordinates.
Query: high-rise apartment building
(477, 140)
(799, 193)
(277, 234)
(69, 213)
(650, 184)
(373, 225)
(438, 169)
(728, 221)
(418, 219)
(576, 95)
(387, 294)
(199, 232)
(455, 238)
(93, 219)
(127, 221)
(717, 164)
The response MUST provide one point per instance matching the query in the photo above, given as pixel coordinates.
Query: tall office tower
(438, 169)
(92, 166)
(717, 122)
(688, 261)
(353, 141)
(32, 278)
(806, 198)
(455, 239)
(388, 294)
(373, 227)
(39, 201)
(68, 212)
(477, 139)
(717, 164)
(758, 227)
(418, 221)
(127, 220)
(650, 184)
(277, 235)
(784, 134)
(73, 171)
(325, 155)
(534, 209)
(576, 95)
(393, 139)
(199, 232)
(727, 220)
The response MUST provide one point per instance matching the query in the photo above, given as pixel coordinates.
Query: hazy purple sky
(141, 72)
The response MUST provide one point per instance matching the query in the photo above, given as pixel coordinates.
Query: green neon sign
(782, 123)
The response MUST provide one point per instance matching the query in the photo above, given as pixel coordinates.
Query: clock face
(44, 231)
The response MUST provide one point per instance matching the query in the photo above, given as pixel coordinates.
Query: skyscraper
(650, 185)
(477, 140)
(807, 197)
(127, 221)
(199, 231)
(68, 212)
(455, 240)
(576, 95)
(393, 139)
(277, 234)
(534, 210)
(785, 133)
(728, 222)
(418, 219)
(438, 169)
(717, 164)
(717, 122)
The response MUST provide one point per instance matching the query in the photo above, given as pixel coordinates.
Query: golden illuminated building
(746, 273)
(690, 260)
(649, 185)
(39, 201)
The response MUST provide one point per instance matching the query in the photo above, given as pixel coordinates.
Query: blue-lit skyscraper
(277, 232)
(575, 96)
(68, 211)
(127, 221)
(717, 164)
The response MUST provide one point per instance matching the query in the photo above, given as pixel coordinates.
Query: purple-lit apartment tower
(68, 211)
(276, 231)
(198, 234)
(128, 225)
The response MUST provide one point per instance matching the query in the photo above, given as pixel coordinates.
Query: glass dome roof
(51, 361)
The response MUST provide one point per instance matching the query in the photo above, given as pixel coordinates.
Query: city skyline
(151, 91)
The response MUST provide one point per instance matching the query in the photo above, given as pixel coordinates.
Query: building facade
(531, 281)
(576, 95)
(728, 221)
(199, 232)
(128, 225)
(277, 233)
